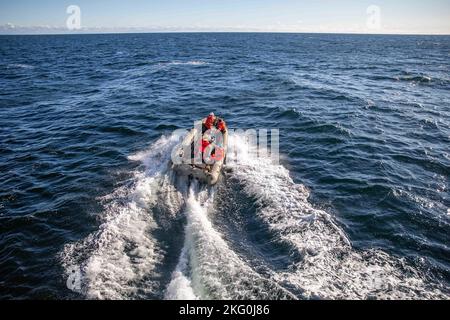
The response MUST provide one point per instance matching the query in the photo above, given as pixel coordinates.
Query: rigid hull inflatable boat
(198, 158)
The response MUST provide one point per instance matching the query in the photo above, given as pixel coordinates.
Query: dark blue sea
(357, 208)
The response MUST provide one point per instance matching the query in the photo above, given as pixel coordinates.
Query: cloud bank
(299, 27)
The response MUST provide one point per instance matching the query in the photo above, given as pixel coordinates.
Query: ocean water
(358, 207)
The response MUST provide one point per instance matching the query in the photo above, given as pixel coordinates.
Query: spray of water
(208, 267)
(329, 267)
(115, 261)
(120, 259)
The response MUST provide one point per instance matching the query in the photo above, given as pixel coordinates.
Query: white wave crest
(208, 267)
(186, 63)
(330, 268)
(116, 260)
(20, 66)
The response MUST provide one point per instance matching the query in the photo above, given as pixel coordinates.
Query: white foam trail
(180, 287)
(208, 267)
(330, 268)
(20, 66)
(187, 63)
(117, 259)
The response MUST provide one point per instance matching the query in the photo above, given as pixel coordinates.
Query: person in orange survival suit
(221, 126)
(203, 145)
(218, 152)
(209, 122)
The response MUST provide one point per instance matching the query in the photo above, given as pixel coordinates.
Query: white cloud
(279, 26)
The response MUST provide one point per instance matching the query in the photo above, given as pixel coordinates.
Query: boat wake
(328, 267)
(208, 268)
(116, 262)
(126, 258)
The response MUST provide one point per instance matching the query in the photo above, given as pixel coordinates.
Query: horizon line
(204, 31)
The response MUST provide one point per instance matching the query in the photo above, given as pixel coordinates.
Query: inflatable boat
(203, 164)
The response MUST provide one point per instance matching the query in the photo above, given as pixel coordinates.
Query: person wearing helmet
(221, 126)
(209, 122)
(204, 145)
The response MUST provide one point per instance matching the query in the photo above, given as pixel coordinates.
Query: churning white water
(118, 260)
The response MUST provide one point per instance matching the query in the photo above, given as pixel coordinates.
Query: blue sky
(396, 16)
